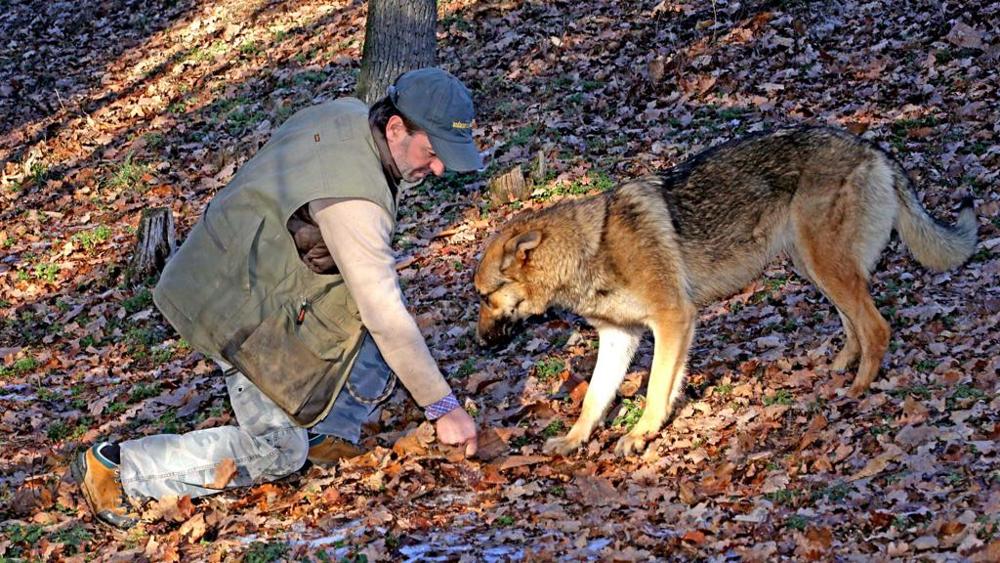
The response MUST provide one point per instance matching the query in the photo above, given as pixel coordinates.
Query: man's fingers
(471, 447)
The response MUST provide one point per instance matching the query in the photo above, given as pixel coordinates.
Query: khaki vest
(237, 289)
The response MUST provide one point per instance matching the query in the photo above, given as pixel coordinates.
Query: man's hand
(457, 427)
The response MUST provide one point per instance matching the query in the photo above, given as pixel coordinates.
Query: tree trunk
(156, 244)
(399, 36)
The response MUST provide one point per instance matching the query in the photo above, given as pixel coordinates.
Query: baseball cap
(441, 105)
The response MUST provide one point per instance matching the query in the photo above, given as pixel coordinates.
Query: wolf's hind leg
(848, 355)
(672, 334)
(614, 355)
(839, 275)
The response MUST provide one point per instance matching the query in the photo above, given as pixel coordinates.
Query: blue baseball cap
(439, 104)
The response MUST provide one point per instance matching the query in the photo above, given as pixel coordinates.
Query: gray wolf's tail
(934, 244)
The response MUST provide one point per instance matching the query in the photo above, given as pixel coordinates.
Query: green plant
(730, 113)
(629, 414)
(116, 407)
(58, 430)
(783, 496)
(922, 392)
(954, 478)
(554, 428)
(524, 135)
(309, 78)
(45, 393)
(19, 367)
(168, 422)
(467, 368)
(178, 106)
(143, 391)
(549, 368)
(780, 397)
(39, 173)
(128, 175)
(250, 48)
(143, 299)
(796, 522)
(29, 534)
(962, 393)
(835, 493)
(17, 534)
(161, 354)
(264, 552)
(505, 520)
(242, 119)
(47, 272)
(138, 341)
(89, 239)
(724, 390)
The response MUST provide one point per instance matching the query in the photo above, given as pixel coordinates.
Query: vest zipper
(302, 312)
(305, 303)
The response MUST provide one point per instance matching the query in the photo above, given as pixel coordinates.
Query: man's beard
(414, 176)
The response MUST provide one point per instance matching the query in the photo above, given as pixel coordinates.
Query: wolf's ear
(517, 247)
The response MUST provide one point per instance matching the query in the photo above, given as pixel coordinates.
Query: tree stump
(156, 244)
(507, 187)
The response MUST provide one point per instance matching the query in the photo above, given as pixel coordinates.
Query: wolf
(648, 253)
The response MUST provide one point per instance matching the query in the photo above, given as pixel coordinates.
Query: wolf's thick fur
(647, 254)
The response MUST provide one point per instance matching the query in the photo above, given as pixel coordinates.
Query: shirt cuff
(436, 410)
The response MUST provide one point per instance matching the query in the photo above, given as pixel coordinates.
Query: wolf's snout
(493, 333)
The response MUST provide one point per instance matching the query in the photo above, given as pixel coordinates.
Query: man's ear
(516, 249)
(395, 129)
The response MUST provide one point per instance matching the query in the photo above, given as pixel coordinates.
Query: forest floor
(109, 107)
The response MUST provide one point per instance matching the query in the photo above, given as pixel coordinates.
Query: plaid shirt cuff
(436, 410)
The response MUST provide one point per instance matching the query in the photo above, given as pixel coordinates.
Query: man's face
(412, 152)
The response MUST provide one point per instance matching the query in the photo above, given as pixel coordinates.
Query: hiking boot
(99, 480)
(327, 450)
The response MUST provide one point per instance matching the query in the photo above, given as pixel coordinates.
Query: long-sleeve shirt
(358, 234)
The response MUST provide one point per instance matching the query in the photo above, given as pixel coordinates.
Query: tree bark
(399, 36)
(156, 244)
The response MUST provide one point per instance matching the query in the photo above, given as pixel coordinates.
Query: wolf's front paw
(561, 446)
(631, 443)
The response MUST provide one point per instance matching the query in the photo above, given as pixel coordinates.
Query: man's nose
(437, 167)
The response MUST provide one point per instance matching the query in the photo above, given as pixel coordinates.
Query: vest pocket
(287, 364)
(297, 356)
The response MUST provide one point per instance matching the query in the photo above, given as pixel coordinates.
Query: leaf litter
(106, 110)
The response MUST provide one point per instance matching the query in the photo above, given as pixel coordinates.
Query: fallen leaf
(415, 442)
(513, 461)
(170, 508)
(194, 528)
(877, 464)
(694, 536)
(491, 445)
(224, 473)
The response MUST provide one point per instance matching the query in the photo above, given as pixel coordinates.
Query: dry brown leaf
(877, 464)
(817, 424)
(521, 460)
(171, 508)
(415, 442)
(224, 473)
(594, 490)
(694, 536)
(491, 445)
(194, 528)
